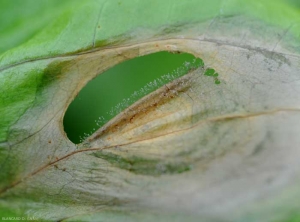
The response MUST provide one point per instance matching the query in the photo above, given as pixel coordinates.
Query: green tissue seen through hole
(119, 87)
(213, 73)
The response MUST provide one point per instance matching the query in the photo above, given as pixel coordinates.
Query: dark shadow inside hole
(117, 88)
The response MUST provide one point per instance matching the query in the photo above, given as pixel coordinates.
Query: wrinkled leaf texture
(192, 150)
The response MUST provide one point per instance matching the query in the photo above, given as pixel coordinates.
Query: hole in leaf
(217, 81)
(213, 73)
(119, 87)
(209, 72)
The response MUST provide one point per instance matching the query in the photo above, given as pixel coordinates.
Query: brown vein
(214, 119)
(247, 47)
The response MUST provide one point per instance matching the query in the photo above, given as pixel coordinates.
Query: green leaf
(209, 146)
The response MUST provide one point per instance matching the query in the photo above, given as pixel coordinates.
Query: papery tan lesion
(165, 110)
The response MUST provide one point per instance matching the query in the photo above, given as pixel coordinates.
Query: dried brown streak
(215, 119)
(134, 111)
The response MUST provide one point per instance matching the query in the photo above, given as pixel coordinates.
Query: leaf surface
(199, 148)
